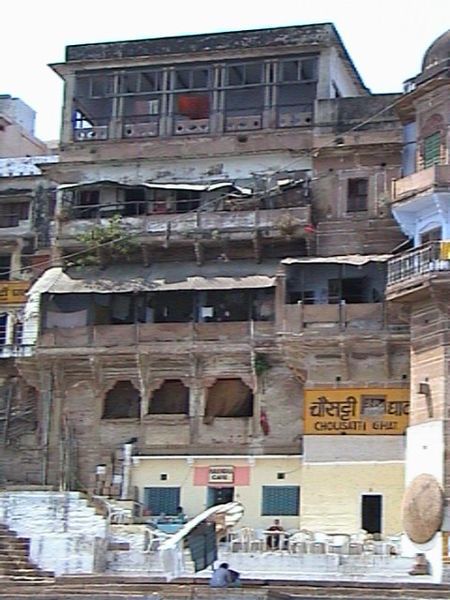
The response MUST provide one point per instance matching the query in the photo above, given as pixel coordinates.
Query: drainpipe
(126, 473)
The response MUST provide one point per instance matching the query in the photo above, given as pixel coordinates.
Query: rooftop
(319, 34)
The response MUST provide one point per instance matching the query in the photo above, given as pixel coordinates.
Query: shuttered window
(162, 500)
(280, 500)
(432, 150)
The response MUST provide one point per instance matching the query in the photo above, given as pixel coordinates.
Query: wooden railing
(142, 333)
(301, 318)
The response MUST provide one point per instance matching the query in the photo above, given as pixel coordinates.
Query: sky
(385, 38)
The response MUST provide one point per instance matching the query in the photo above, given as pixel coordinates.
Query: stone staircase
(15, 564)
(65, 533)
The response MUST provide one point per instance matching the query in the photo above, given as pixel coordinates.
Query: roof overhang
(356, 260)
(157, 278)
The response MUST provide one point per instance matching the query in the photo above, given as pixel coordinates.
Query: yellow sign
(445, 251)
(356, 411)
(13, 292)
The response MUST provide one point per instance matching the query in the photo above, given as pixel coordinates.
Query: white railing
(423, 261)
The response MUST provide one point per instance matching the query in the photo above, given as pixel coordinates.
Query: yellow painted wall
(330, 497)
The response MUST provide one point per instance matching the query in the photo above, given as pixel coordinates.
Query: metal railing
(423, 261)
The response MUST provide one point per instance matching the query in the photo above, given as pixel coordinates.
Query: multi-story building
(216, 326)
(27, 201)
(419, 279)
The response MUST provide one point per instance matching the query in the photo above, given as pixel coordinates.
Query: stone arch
(122, 401)
(229, 397)
(170, 398)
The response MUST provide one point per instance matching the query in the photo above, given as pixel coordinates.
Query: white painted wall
(424, 213)
(425, 454)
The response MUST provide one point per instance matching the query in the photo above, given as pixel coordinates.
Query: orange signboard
(13, 292)
(356, 411)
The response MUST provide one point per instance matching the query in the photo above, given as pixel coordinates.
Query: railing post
(342, 314)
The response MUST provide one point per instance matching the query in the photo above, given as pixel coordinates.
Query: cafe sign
(356, 411)
(221, 474)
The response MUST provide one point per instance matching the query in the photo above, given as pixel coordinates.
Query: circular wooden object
(422, 510)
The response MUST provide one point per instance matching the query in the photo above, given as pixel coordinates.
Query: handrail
(425, 260)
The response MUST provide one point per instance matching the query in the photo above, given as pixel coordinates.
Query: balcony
(303, 318)
(104, 336)
(433, 179)
(416, 268)
(240, 224)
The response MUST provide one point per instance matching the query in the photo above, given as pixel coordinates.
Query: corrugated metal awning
(357, 260)
(186, 186)
(157, 278)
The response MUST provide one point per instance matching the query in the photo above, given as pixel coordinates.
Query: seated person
(221, 577)
(273, 541)
(180, 516)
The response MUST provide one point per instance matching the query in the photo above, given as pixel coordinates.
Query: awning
(357, 260)
(195, 187)
(157, 278)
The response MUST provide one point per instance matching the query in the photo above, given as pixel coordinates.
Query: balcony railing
(149, 333)
(181, 225)
(437, 176)
(304, 318)
(415, 265)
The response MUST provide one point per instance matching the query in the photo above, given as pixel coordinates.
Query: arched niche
(171, 398)
(230, 397)
(122, 401)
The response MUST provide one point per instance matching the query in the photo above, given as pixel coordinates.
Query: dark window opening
(357, 195)
(244, 74)
(13, 212)
(219, 495)
(122, 401)
(135, 202)
(112, 309)
(171, 398)
(292, 70)
(350, 290)
(371, 513)
(191, 78)
(187, 200)
(3, 326)
(172, 307)
(5, 267)
(226, 305)
(229, 398)
(432, 235)
(305, 296)
(18, 333)
(86, 204)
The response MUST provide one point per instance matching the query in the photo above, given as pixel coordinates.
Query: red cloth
(264, 422)
(193, 106)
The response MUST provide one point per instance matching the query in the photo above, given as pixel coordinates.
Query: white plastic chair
(319, 544)
(339, 544)
(299, 542)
